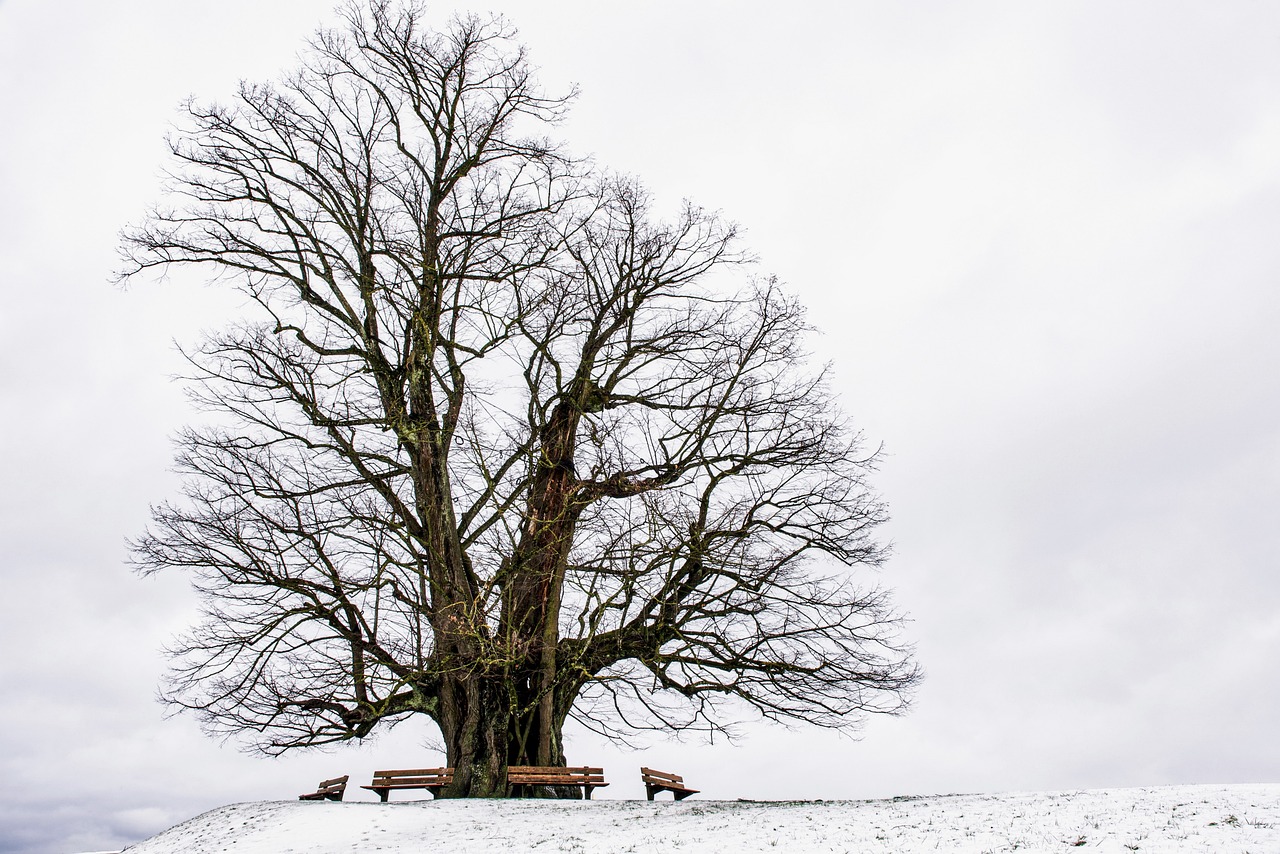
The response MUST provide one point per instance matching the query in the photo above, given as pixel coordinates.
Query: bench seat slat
(402, 777)
(557, 776)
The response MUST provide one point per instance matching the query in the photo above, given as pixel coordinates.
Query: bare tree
(500, 447)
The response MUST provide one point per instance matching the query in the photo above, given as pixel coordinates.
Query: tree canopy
(496, 443)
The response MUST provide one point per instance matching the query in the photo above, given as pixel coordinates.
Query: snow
(1221, 819)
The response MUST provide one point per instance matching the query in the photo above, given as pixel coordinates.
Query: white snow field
(1220, 819)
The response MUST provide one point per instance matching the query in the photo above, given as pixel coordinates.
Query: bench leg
(588, 791)
(382, 793)
(680, 796)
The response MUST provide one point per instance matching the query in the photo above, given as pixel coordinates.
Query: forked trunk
(483, 737)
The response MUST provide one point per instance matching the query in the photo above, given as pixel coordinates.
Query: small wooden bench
(661, 781)
(432, 779)
(588, 778)
(329, 790)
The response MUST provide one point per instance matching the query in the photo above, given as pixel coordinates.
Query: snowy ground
(1221, 819)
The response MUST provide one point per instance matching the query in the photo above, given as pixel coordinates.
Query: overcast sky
(1040, 238)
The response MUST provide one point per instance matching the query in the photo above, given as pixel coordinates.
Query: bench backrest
(337, 784)
(648, 775)
(552, 775)
(413, 777)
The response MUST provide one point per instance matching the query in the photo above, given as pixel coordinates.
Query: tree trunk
(483, 736)
(473, 721)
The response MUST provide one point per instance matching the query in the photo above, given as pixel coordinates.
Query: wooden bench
(661, 781)
(330, 790)
(432, 779)
(520, 776)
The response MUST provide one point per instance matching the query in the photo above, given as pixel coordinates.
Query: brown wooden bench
(520, 776)
(432, 779)
(330, 790)
(661, 781)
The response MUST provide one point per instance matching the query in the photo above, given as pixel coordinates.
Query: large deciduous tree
(498, 445)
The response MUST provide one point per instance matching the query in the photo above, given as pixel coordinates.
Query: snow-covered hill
(1220, 819)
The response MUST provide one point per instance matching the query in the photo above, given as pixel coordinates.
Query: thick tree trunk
(483, 737)
(473, 721)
